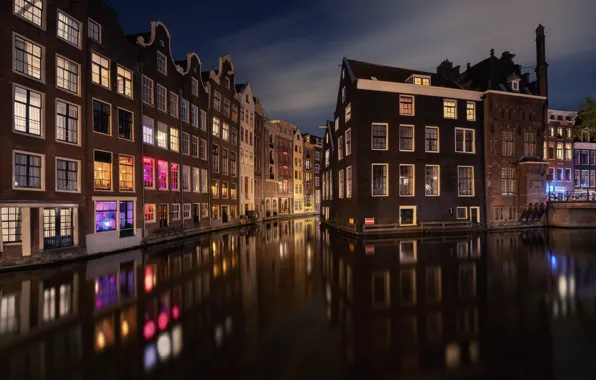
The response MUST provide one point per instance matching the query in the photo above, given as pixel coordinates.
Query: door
(163, 214)
(224, 214)
(475, 214)
(57, 228)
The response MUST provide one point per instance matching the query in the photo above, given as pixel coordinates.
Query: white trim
(78, 122)
(438, 181)
(515, 94)
(407, 88)
(386, 136)
(133, 124)
(42, 178)
(216, 77)
(79, 169)
(111, 170)
(109, 87)
(474, 104)
(413, 166)
(465, 209)
(413, 104)
(438, 139)
(464, 140)
(408, 208)
(89, 19)
(478, 214)
(79, 76)
(43, 112)
(43, 16)
(455, 108)
(110, 119)
(116, 199)
(80, 39)
(372, 182)
(473, 181)
(154, 220)
(165, 62)
(134, 170)
(43, 58)
(413, 138)
(132, 82)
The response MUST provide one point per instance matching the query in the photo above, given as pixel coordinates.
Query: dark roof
(492, 74)
(366, 70)
(240, 87)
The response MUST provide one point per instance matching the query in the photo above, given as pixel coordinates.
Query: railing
(559, 197)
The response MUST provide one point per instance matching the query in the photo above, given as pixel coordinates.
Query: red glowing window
(162, 174)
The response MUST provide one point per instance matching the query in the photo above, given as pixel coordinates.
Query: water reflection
(287, 299)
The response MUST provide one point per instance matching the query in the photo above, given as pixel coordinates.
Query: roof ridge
(391, 67)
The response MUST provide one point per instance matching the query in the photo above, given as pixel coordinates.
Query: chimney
(541, 65)
(445, 69)
(525, 78)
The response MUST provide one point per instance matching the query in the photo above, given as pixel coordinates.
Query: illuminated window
(216, 127)
(127, 173)
(175, 211)
(67, 75)
(100, 70)
(28, 57)
(162, 175)
(186, 178)
(215, 189)
(406, 105)
(102, 170)
(150, 213)
(449, 109)
(464, 140)
(149, 173)
(31, 10)
(432, 180)
(471, 111)
(124, 79)
(406, 180)
(175, 177)
(216, 101)
(465, 181)
(11, 223)
(28, 111)
(69, 29)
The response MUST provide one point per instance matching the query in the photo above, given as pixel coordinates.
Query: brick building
(271, 181)
(258, 157)
(558, 151)
(308, 173)
(247, 161)
(298, 157)
(285, 175)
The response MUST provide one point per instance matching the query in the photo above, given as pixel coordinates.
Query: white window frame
(187, 209)
(109, 86)
(340, 148)
(457, 209)
(42, 17)
(165, 98)
(438, 181)
(111, 170)
(80, 35)
(134, 170)
(42, 179)
(194, 86)
(348, 139)
(202, 120)
(186, 170)
(413, 181)
(196, 179)
(413, 138)
(146, 128)
(473, 109)
(438, 139)
(42, 59)
(372, 179)
(164, 129)
(348, 182)
(119, 67)
(444, 108)
(184, 105)
(413, 105)
(78, 143)
(154, 176)
(161, 63)
(174, 139)
(464, 143)
(386, 136)
(415, 219)
(89, 23)
(154, 220)
(78, 162)
(151, 93)
(473, 184)
(341, 184)
(43, 110)
(348, 113)
(336, 126)
(174, 104)
(177, 207)
(78, 90)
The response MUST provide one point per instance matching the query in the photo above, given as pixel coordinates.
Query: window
(173, 104)
(406, 138)
(461, 212)
(186, 211)
(186, 178)
(194, 86)
(215, 212)
(150, 213)
(224, 161)
(125, 124)
(175, 177)
(184, 110)
(175, 211)
(148, 127)
(470, 111)
(149, 173)
(67, 122)
(507, 144)
(127, 173)
(498, 212)
(585, 178)
(507, 181)
(379, 137)
(216, 127)
(185, 143)
(233, 191)
(193, 115)
(592, 178)
(105, 216)
(336, 125)
(348, 113)
(27, 111)
(102, 168)
(560, 176)
(406, 180)
(407, 215)
(196, 180)
(348, 182)
(100, 70)
(348, 142)
(317, 168)
(215, 158)
(147, 85)
(162, 175)
(568, 151)
(585, 157)
(162, 63)
(224, 189)
(69, 29)
(124, 78)
(174, 140)
(465, 181)
(340, 148)
(226, 107)
(233, 164)
(529, 144)
(11, 223)
(559, 151)
(28, 58)
(568, 175)
(204, 181)
(216, 100)
(431, 139)
(67, 175)
(432, 180)
(235, 112)
(203, 120)
(203, 150)
(449, 109)
(225, 131)
(215, 189)
(31, 10)
(379, 183)
(340, 180)
(464, 140)
(101, 117)
(94, 31)
(406, 105)
(67, 75)
(161, 98)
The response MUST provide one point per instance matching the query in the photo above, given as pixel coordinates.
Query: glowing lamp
(149, 330)
(162, 321)
(124, 328)
(175, 312)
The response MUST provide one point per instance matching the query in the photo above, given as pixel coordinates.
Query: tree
(586, 117)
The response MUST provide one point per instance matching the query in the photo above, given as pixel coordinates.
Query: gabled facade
(272, 184)
(558, 151)
(285, 166)
(298, 172)
(259, 157)
(405, 147)
(223, 143)
(247, 150)
(584, 160)
(311, 172)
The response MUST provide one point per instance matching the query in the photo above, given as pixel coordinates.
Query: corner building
(405, 147)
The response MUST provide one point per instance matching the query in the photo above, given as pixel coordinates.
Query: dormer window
(421, 81)
(514, 83)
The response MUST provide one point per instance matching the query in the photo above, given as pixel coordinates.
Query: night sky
(291, 50)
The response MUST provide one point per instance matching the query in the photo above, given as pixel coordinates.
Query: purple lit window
(149, 172)
(105, 216)
(162, 174)
(106, 291)
(127, 283)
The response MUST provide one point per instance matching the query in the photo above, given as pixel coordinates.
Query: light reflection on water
(287, 297)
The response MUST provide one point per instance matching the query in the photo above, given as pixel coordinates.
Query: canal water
(288, 300)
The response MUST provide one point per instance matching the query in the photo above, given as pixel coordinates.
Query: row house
(285, 166)
(471, 155)
(584, 163)
(258, 161)
(317, 165)
(405, 147)
(271, 177)
(308, 173)
(247, 137)
(558, 151)
(298, 172)
(43, 141)
(223, 143)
